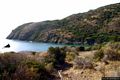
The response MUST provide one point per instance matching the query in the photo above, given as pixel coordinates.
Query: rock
(7, 46)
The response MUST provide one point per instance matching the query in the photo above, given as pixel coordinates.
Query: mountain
(95, 26)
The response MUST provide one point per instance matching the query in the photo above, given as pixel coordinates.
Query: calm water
(25, 46)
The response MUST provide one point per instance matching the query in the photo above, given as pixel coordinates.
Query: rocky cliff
(99, 25)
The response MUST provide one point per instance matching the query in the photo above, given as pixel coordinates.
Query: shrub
(110, 51)
(49, 67)
(70, 56)
(18, 67)
(113, 45)
(96, 47)
(88, 48)
(99, 55)
(9, 63)
(33, 53)
(80, 48)
(82, 63)
(112, 54)
(57, 56)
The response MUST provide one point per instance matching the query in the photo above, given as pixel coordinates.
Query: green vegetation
(99, 55)
(94, 47)
(57, 56)
(110, 51)
(45, 66)
(33, 53)
(95, 26)
(70, 56)
(15, 66)
(98, 32)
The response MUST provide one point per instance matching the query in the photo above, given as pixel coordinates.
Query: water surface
(17, 46)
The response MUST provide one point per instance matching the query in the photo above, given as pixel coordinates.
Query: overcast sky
(16, 12)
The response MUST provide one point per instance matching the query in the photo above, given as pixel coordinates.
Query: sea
(17, 46)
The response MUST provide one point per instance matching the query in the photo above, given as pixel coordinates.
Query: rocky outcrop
(99, 25)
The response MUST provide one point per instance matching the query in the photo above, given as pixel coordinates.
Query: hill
(95, 26)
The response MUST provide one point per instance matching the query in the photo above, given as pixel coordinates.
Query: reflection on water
(24, 46)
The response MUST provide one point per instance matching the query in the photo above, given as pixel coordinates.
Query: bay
(16, 46)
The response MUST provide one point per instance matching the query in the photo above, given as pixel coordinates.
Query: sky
(16, 12)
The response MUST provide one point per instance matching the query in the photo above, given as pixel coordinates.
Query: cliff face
(99, 25)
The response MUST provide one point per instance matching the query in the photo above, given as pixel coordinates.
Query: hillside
(99, 25)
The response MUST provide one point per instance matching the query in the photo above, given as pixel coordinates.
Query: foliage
(70, 56)
(14, 66)
(111, 51)
(80, 48)
(97, 46)
(99, 55)
(57, 56)
(95, 26)
(49, 67)
(82, 63)
(33, 53)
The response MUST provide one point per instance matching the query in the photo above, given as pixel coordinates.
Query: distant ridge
(99, 25)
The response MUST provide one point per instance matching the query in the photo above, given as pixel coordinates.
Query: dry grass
(110, 70)
(100, 69)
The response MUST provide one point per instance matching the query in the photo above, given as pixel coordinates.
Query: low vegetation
(15, 66)
(56, 56)
(110, 51)
(70, 56)
(82, 63)
(46, 65)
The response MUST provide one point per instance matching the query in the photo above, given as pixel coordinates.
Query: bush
(33, 53)
(15, 66)
(70, 56)
(99, 55)
(88, 48)
(80, 48)
(82, 63)
(57, 56)
(49, 67)
(112, 54)
(111, 51)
